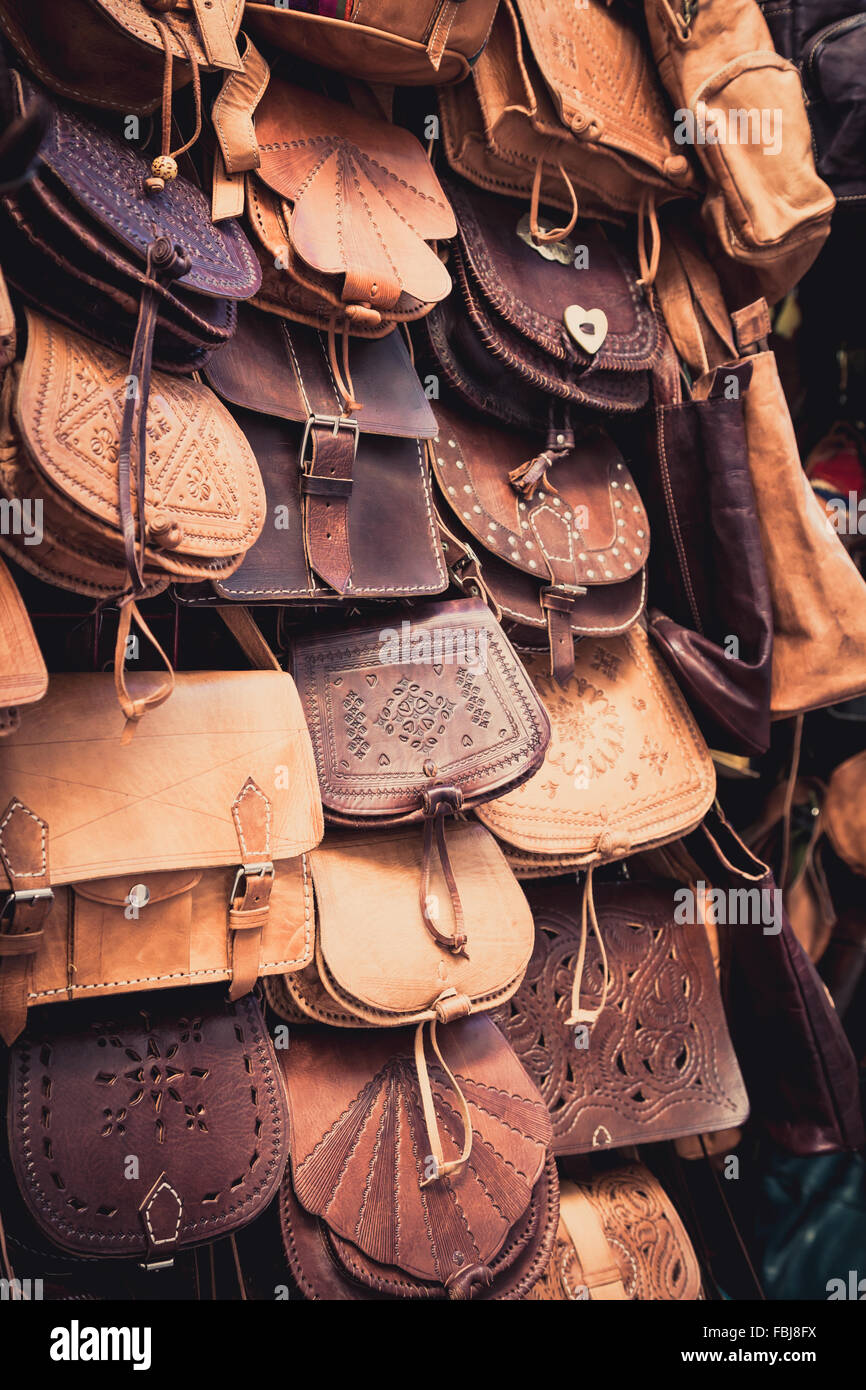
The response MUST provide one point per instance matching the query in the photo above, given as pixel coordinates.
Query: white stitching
(250, 788)
(167, 1240)
(24, 873)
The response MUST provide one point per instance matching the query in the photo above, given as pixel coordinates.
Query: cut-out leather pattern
(192, 1092)
(659, 1062)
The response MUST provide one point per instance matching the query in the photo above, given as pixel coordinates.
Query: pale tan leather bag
(23, 677)
(172, 858)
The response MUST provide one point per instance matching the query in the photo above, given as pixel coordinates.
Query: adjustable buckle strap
(335, 423)
(244, 874)
(557, 602)
(249, 903)
(326, 487)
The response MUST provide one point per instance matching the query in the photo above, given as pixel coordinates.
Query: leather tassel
(529, 475)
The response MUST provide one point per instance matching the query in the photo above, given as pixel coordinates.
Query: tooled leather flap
(163, 801)
(591, 530)
(182, 1083)
(532, 291)
(106, 177)
(373, 943)
(628, 1086)
(626, 766)
(23, 677)
(441, 699)
(359, 1144)
(203, 481)
(281, 368)
(365, 198)
(127, 890)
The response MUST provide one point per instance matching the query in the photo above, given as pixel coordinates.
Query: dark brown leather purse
(188, 1086)
(348, 495)
(369, 1211)
(655, 1061)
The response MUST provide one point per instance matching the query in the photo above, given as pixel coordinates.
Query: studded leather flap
(173, 796)
(359, 1144)
(282, 368)
(659, 1062)
(626, 767)
(439, 700)
(106, 177)
(143, 1128)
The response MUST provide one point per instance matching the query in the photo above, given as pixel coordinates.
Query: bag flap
(23, 677)
(359, 1143)
(185, 1082)
(201, 474)
(126, 890)
(844, 814)
(136, 20)
(592, 530)
(166, 799)
(372, 939)
(533, 289)
(631, 1085)
(106, 176)
(281, 368)
(626, 767)
(442, 700)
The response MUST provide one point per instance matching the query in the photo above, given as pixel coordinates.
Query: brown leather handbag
(344, 206)
(23, 677)
(658, 1062)
(172, 858)
(380, 40)
(348, 495)
(626, 768)
(620, 1237)
(570, 558)
(188, 1085)
(394, 1192)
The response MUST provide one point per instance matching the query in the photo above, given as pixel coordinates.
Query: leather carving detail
(647, 1243)
(194, 1095)
(360, 1155)
(659, 1062)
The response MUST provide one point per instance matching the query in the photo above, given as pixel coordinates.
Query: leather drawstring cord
(789, 803)
(134, 709)
(165, 263)
(555, 233)
(161, 169)
(6, 1263)
(238, 1271)
(442, 1013)
(647, 211)
(587, 914)
(438, 803)
(342, 379)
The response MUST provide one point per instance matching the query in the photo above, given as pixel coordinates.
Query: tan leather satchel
(741, 106)
(626, 768)
(172, 858)
(619, 1237)
(381, 40)
(23, 677)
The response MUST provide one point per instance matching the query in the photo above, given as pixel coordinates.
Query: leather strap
(459, 1007)
(326, 489)
(558, 605)
(438, 40)
(440, 802)
(249, 637)
(234, 108)
(8, 338)
(228, 191)
(24, 852)
(250, 904)
(586, 1233)
(587, 915)
(215, 31)
(135, 709)
(752, 326)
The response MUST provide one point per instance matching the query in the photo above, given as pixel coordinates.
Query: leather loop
(234, 109)
(441, 1168)
(135, 709)
(24, 854)
(587, 914)
(585, 1229)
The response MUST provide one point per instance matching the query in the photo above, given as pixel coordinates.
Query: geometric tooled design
(154, 1078)
(356, 724)
(476, 705)
(415, 716)
(659, 1061)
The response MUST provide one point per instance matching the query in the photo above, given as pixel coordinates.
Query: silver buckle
(250, 871)
(25, 895)
(337, 423)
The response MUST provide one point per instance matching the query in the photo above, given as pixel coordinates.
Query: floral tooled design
(416, 716)
(154, 1078)
(588, 735)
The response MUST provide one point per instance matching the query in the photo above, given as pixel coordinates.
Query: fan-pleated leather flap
(626, 767)
(374, 951)
(23, 677)
(283, 369)
(168, 798)
(185, 1084)
(391, 710)
(365, 200)
(106, 176)
(202, 478)
(359, 1144)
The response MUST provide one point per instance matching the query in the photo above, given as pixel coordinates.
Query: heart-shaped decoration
(338, 680)
(384, 760)
(438, 670)
(371, 679)
(588, 327)
(466, 741)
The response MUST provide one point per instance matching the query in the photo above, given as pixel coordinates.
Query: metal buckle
(25, 895)
(337, 423)
(250, 871)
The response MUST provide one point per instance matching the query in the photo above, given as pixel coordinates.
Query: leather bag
(23, 677)
(843, 814)
(658, 1062)
(170, 859)
(381, 40)
(626, 768)
(352, 492)
(619, 1237)
(570, 560)
(190, 1085)
(397, 1222)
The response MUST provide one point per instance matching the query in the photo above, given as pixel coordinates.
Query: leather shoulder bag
(23, 677)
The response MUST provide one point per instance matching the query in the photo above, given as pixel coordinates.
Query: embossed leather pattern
(626, 768)
(620, 1237)
(386, 727)
(193, 1092)
(358, 1151)
(659, 1062)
